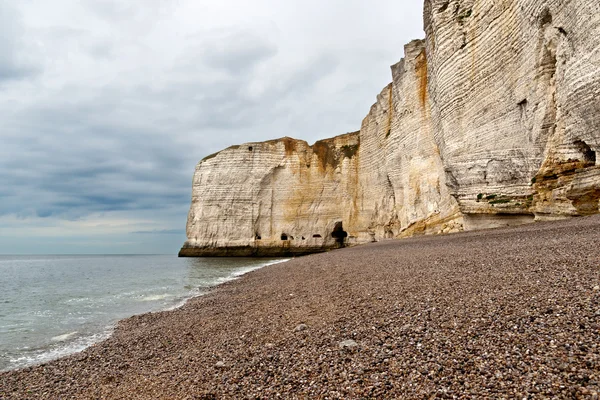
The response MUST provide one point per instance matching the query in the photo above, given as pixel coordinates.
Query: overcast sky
(106, 106)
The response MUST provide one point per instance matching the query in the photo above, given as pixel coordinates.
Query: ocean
(52, 306)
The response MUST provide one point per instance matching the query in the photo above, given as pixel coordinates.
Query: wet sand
(504, 313)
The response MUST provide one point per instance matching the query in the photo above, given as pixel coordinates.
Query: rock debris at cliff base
(504, 313)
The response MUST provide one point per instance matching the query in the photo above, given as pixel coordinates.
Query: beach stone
(300, 328)
(348, 344)
(220, 364)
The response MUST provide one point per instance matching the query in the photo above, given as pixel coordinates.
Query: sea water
(52, 306)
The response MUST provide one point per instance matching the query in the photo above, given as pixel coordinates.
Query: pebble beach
(501, 313)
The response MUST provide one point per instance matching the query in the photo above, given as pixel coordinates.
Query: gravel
(503, 313)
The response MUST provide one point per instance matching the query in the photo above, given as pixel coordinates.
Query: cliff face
(279, 197)
(515, 103)
(493, 119)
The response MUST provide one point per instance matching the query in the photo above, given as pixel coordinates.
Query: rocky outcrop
(276, 198)
(492, 120)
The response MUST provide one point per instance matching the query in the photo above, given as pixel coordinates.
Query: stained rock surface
(492, 120)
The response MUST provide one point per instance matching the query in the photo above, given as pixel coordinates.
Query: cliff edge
(492, 120)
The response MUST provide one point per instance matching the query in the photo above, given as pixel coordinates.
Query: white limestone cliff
(274, 198)
(515, 99)
(493, 119)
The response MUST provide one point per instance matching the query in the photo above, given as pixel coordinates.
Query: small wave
(235, 275)
(66, 336)
(155, 297)
(179, 304)
(244, 271)
(41, 313)
(57, 350)
(78, 300)
(276, 262)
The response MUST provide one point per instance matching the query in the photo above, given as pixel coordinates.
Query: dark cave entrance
(339, 234)
(589, 155)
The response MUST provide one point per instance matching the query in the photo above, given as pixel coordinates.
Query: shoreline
(503, 312)
(71, 343)
(253, 251)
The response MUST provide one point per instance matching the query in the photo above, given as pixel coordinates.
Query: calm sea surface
(51, 306)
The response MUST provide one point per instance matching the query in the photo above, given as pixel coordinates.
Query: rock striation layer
(492, 120)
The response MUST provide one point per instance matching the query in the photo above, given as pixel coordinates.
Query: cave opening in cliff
(545, 18)
(338, 233)
(523, 107)
(284, 236)
(589, 155)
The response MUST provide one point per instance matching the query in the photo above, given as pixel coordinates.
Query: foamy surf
(66, 336)
(40, 356)
(155, 297)
(244, 271)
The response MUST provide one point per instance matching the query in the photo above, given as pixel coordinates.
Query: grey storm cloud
(106, 106)
(237, 51)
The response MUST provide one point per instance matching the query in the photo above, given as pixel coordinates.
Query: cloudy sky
(106, 106)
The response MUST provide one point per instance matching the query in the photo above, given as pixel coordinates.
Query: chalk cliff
(492, 120)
